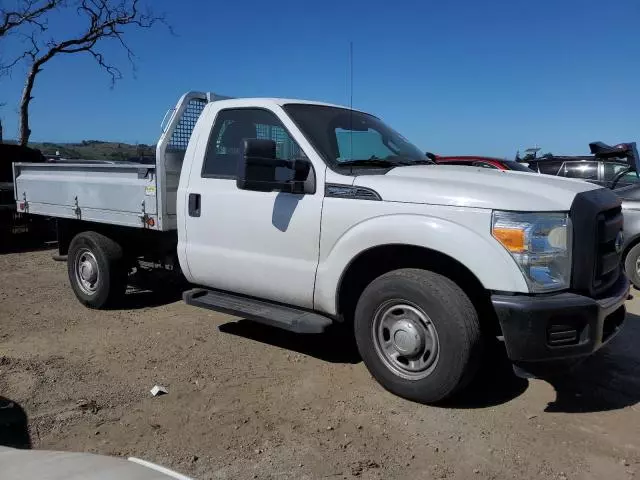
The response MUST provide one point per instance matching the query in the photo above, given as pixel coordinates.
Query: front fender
(631, 228)
(479, 252)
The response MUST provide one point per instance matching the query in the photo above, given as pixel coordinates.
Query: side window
(584, 170)
(630, 177)
(231, 127)
(484, 165)
(549, 167)
(612, 169)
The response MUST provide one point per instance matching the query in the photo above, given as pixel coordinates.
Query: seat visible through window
(229, 149)
(231, 127)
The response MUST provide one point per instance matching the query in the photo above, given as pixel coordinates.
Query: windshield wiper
(390, 161)
(421, 162)
(376, 162)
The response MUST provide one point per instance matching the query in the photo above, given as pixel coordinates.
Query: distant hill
(95, 150)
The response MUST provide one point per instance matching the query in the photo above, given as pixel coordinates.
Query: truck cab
(303, 215)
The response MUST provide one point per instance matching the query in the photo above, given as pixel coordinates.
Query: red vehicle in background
(483, 162)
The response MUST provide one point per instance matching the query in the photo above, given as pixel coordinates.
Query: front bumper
(560, 326)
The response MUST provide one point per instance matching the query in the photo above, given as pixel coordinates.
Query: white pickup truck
(301, 214)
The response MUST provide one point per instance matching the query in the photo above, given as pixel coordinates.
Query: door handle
(194, 204)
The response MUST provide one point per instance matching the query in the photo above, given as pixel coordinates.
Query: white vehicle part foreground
(49, 465)
(346, 233)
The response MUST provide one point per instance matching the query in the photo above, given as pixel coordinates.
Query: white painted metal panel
(244, 237)
(108, 193)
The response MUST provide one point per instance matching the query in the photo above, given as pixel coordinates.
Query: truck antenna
(351, 100)
(351, 75)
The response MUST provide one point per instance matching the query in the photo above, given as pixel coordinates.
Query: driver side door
(262, 244)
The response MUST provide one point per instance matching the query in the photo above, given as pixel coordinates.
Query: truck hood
(475, 187)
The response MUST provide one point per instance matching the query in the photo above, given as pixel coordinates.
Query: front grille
(596, 217)
(607, 259)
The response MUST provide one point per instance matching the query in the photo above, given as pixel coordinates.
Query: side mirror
(258, 166)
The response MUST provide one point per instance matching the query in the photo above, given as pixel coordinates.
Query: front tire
(97, 270)
(632, 265)
(418, 334)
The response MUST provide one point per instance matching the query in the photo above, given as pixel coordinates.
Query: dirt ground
(246, 401)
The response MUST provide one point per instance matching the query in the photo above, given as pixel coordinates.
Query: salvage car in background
(607, 166)
(482, 162)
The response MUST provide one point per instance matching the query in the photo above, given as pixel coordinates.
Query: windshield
(347, 137)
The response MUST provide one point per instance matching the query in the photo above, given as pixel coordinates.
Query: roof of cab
(279, 101)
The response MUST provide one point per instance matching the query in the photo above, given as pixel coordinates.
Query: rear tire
(97, 270)
(418, 334)
(631, 264)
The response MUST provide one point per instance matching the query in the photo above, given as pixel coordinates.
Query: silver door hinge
(143, 214)
(76, 208)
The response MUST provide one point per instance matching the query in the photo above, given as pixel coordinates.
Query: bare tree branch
(105, 20)
(5, 69)
(31, 12)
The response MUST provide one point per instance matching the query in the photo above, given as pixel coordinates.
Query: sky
(455, 77)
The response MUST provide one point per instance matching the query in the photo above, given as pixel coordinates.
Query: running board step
(287, 318)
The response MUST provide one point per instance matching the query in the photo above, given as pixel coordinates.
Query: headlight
(540, 243)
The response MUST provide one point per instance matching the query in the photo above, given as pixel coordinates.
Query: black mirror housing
(257, 169)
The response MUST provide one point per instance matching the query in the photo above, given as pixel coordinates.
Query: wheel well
(135, 241)
(68, 229)
(377, 261)
(631, 244)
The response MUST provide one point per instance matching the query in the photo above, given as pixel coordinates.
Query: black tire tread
(111, 253)
(447, 290)
(630, 265)
(453, 299)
